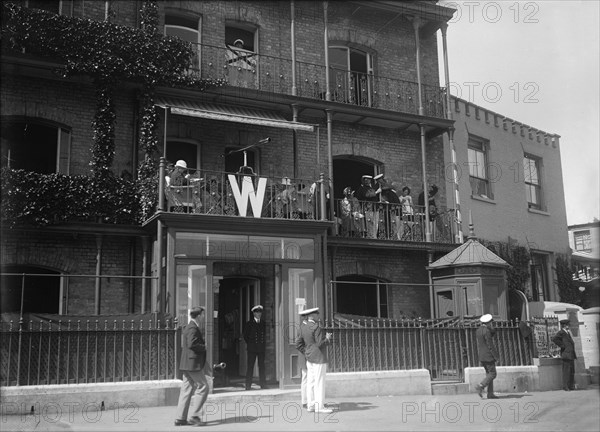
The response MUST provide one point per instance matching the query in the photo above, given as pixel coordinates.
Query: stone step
(454, 388)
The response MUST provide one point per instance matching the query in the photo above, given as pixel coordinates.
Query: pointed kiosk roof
(469, 253)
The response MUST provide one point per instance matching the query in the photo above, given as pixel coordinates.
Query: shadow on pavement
(513, 396)
(351, 406)
(235, 420)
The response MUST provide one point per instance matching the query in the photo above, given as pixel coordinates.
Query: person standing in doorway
(488, 355)
(567, 353)
(313, 342)
(193, 359)
(254, 336)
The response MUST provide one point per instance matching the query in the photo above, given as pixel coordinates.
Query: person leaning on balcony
(254, 336)
(567, 353)
(367, 194)
(312, 342)
(178, 176)
(488, 355)
(406, 202)
(194, 387)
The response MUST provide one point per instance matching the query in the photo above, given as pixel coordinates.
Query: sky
(537, 62)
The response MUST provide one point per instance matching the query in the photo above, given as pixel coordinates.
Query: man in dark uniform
(193, 359)
(254, 335)
(488, 355)
(567, 352)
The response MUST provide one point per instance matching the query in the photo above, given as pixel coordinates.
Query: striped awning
(231, 113)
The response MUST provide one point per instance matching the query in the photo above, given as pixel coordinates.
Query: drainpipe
(293, 42)
(416, 24)
(455, 194)
(159, 236)
(131, 305)
(326, 37)
(98, 283)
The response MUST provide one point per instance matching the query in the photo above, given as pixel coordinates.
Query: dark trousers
(490, 375)
(252, 356)
(568, 374)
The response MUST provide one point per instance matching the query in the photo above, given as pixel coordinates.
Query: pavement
(273, 410)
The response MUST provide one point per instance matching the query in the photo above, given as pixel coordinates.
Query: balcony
(270, 74)
(245, 194)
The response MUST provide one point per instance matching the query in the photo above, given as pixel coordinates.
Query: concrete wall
(382, 383)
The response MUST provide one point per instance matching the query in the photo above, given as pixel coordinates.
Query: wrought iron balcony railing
(274, 74)
(385, 221)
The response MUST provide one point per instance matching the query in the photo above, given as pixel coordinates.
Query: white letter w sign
(248, 194)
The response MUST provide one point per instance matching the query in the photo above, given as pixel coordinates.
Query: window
(241, 57)
(531, 167)
(478, 172)
(187, 29)
(53, 6)
(23, 287)
(360, 295)
(539, 277)
(35, 145)
(187, 150)
(351, 75)
(583, 241)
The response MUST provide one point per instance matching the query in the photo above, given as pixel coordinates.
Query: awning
(232, 113)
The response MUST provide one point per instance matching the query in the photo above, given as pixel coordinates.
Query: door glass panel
(191, 289)
(301, 282)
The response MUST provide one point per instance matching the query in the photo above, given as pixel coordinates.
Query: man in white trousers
(312, 342)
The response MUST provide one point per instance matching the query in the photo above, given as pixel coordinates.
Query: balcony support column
(160, 286)
(293, 42)
(458, 238)
(416, 21)
(326, 45)
(98, 283)
(330, 163)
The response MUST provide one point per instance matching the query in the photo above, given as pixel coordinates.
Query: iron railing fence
(274, 74)
(442, 348)
(386, 221)
(91, 351)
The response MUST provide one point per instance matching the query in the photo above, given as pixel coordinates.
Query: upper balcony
(278, 76)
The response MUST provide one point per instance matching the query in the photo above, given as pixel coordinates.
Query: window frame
(64, 137)
(584, 239)
(348, 95)
(198, 162)
(536, 186)
(169, 13)
(480, 146)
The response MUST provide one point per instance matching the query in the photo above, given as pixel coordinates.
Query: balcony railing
(386, 221)
(217, 193)
(274, 74)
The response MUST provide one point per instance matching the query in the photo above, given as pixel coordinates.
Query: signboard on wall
(543, 330)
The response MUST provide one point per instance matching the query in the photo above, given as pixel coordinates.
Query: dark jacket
(193, 351)
(254, 335)
(485, 344)
(312, 342)
(566, 344)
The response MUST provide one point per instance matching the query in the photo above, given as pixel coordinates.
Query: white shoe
(310, 409)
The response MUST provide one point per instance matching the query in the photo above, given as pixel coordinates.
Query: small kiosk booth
(470, 281)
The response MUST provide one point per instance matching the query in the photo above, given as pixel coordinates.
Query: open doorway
(348, 172)
(233, 301)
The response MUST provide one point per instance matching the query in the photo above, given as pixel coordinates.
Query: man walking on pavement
(567, 353)
(312, 342)
(254, 336)
(193, 358)
(488, 355)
